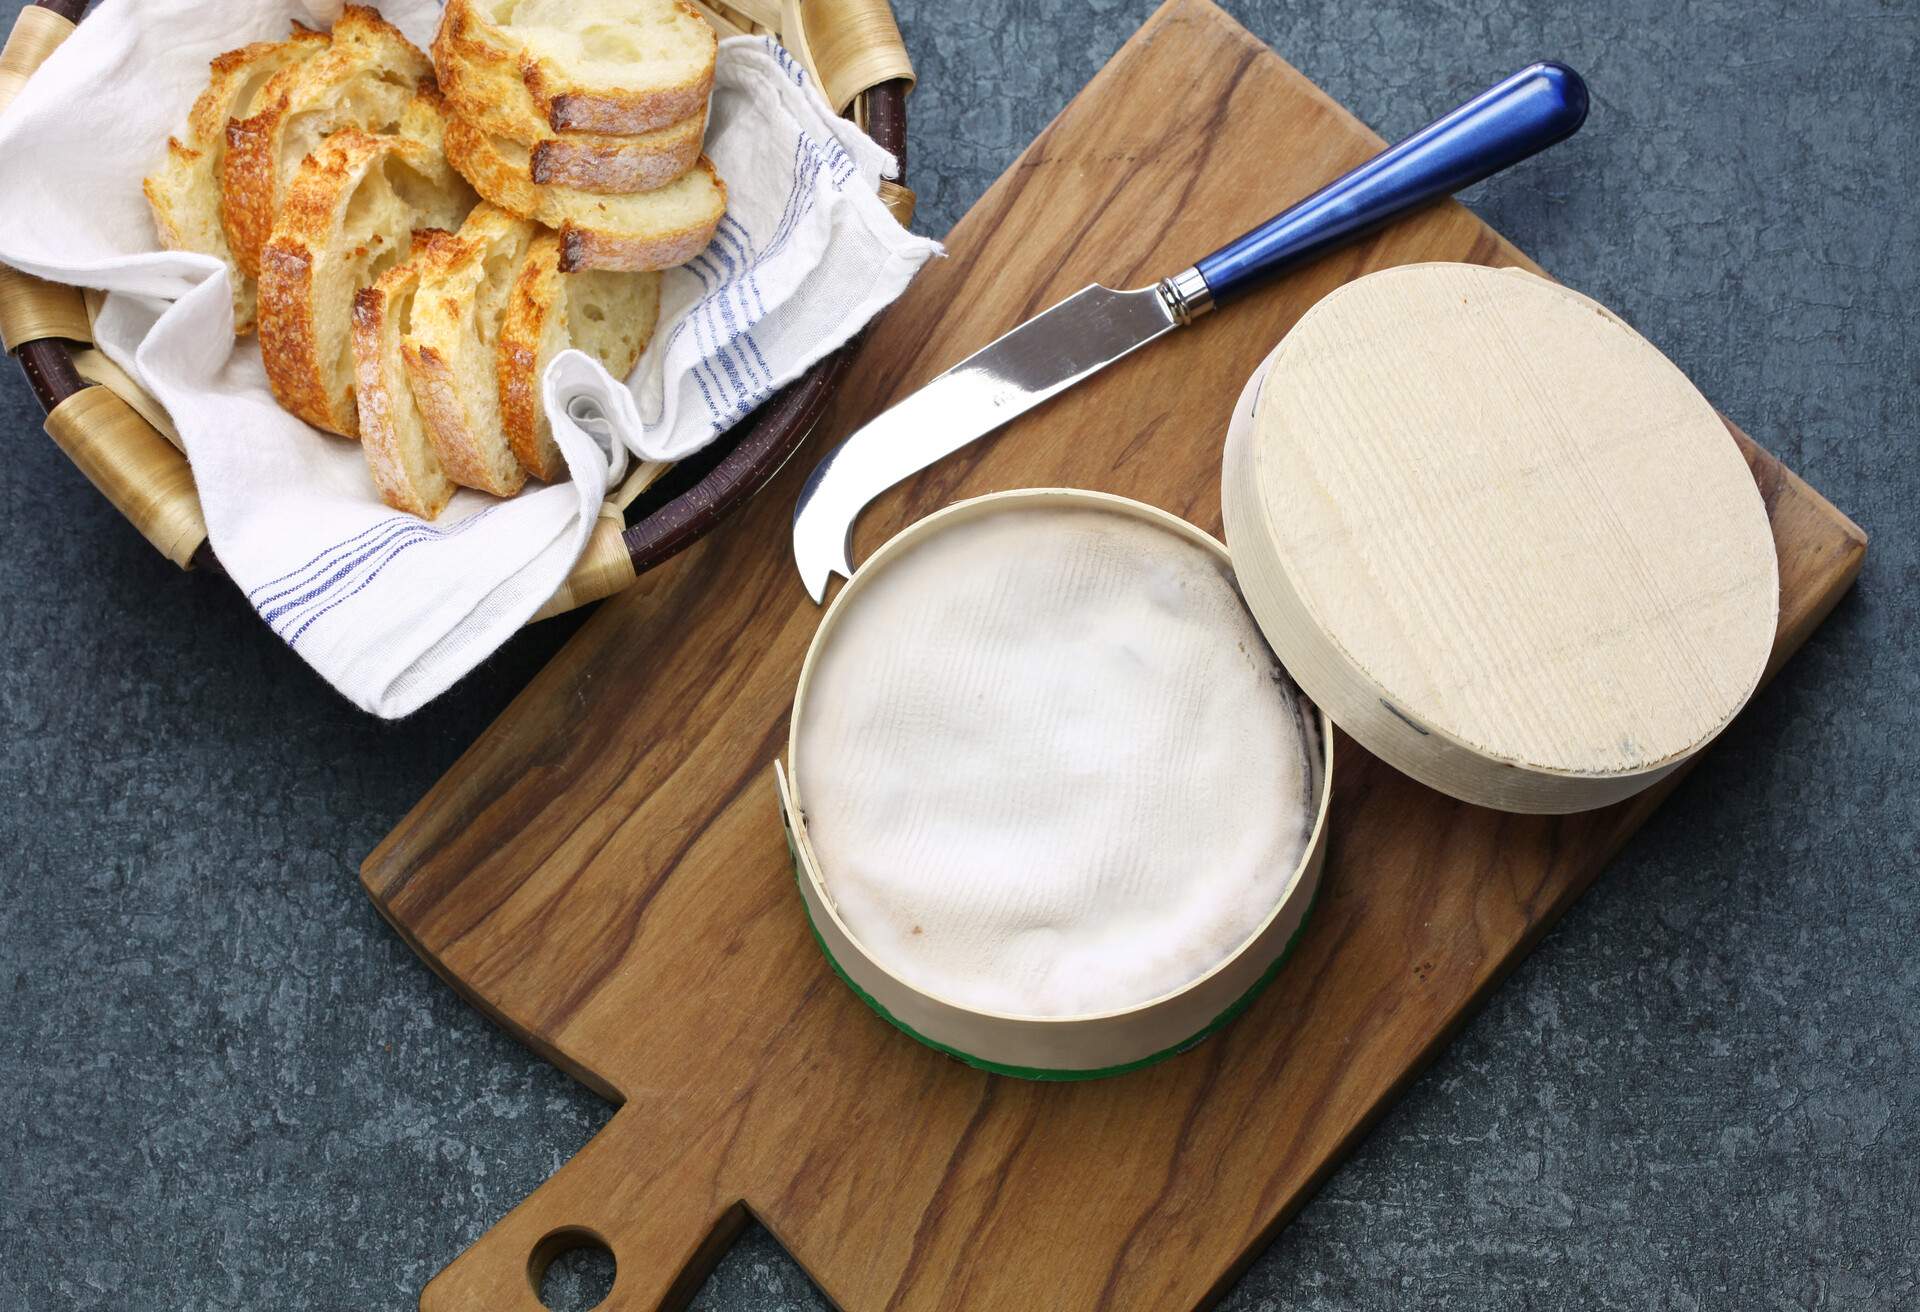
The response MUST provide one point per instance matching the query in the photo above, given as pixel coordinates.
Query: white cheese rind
(1050, 766)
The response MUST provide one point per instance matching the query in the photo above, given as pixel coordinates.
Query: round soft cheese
(1049, 765)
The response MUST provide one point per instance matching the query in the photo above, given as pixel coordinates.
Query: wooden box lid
(1499, 537)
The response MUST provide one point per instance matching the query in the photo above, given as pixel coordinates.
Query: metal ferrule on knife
(1186, 294)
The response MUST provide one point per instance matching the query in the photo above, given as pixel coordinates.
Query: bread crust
(406, 470)
(619, 165)
(477, 158)
(587, 246)
(184, 192)
(518, 179)
(480, 72)
(364, 50)
(461, 416)
(207, 120)
(288, 341)
(515, 177)
(491, 59)
(532, 330)
(570, 108)
(436, 390)
(542, 320)
(592, 233)
(287, 345)
(304, 262)
(248, 192)
(167, 220)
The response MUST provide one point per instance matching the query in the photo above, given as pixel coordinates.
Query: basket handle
(37, 317)
(142, 474)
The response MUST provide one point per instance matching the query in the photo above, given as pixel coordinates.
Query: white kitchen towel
(389, 609)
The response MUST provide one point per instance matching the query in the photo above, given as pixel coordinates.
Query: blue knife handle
(1536, 107)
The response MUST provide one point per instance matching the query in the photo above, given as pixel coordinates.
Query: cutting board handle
(663, 1229)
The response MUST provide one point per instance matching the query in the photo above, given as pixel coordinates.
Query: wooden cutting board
(604, 872)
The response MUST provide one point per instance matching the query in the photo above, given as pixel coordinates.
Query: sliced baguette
(349, 216)
(590, 161)
(515, 177)
(618, 165)
(365, 79)
(610, 316)
(655, 229)
(185, 190)
(425, 120)
(658, 229)
(480, 74)
(449, 348)
(604, 66)
(400, 455)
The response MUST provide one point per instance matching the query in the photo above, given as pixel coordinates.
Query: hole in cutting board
(572, 1270)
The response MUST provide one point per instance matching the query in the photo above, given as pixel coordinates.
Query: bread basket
(122, 441)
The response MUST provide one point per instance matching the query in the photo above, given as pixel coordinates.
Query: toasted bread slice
(518, 177)
(533, 331)
(349, 216)
(400, 455)
(365, 79)
(618, 165)
(185, 191)
(487, 92)
(426, 120)
(589, 161)
(449, 348)
(658, 229)
(655, 229)
(607, 66)
(610, 316)
(480, 73)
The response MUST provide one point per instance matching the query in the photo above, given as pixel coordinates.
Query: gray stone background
(227, 1085)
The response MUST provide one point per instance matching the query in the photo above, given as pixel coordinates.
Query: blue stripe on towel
(729, 288)
(795, 194)
(787, 62)
(736, 232)
(293, 639)
(375, 527)
(708, 332)
(730, 371)
(744, 240)
(710, 350)
(319, 582)
(349, 559)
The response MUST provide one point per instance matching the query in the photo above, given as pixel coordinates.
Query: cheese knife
(1536, 107)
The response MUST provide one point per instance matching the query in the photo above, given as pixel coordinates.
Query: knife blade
(1517, 117)
(1043, 356)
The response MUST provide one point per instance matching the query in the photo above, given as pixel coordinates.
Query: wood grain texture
(34, 310)
(850, 44)
(138, 470)
(603, 872)
(36, 33)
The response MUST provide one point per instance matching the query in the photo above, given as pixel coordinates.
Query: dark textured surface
(229, 1086)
